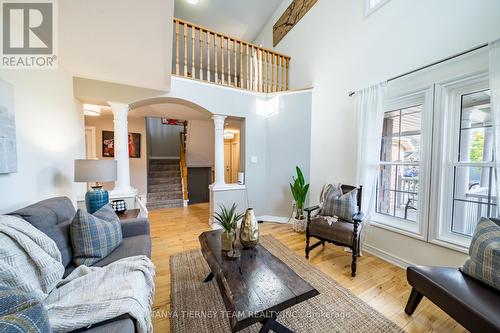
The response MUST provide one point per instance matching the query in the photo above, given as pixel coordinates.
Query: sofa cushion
(95, 236)
(329, 193)
(484, 251)
(130, 246)
(21, 312)
(472, 303)
(52, 217)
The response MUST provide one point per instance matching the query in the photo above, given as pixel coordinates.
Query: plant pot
(299, 225)
(226, 240)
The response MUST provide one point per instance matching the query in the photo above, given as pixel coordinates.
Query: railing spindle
(273, 85)
(282, 73)
(201, 54)
(235, 58)
(229, 62)
(247, 78)
(177, 47)
(241, 65)
(216, 60)
(222, 58)
(287, 62)
(185, 50)
(208, 55)
(193, 74)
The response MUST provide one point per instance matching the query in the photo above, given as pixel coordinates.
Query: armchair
(342, 233)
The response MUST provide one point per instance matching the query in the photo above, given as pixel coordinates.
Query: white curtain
(370, 118)
(495, 110)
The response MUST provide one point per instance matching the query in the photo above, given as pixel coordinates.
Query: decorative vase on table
(249, 230)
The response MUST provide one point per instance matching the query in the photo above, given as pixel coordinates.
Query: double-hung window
(464, 174)
(403, 166)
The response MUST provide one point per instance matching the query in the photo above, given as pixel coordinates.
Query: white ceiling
(242, 19)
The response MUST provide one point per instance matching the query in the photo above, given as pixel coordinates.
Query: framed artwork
(167, 121)
(8, 151)
(108, 144)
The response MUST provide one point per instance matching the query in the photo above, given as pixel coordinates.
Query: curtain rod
(351, 93)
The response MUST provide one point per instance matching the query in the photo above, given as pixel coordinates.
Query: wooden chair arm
(358, 217)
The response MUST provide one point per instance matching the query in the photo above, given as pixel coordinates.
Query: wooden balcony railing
(206, 55)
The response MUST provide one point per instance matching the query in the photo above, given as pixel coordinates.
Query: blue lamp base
(96, 198)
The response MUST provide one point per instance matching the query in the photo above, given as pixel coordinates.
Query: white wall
(200, 143)
(138, 166)
(163, 140)
(122, 41)
(288, 144)
(50, 135)
(336, 50)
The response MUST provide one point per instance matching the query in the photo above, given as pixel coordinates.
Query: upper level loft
(202, 54)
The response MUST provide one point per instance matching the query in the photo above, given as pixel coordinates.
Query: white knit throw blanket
(30, 260)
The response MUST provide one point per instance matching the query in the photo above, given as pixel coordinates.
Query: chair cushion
(21, 312)
(52, 217)
(472, 303)
(340, 231)
(484, 251)
(95, 236)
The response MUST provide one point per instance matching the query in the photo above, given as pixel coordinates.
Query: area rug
(198, 307)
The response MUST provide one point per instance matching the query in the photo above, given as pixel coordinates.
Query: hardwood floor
(380, 284)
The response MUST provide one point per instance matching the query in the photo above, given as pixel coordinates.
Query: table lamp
(95, 171)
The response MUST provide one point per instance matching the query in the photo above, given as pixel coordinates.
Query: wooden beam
(292, 15)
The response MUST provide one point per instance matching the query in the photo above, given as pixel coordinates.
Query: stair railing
(209, 56)
(183, 166)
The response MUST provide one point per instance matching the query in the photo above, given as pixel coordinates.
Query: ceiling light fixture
(91, 110)
(193, 2)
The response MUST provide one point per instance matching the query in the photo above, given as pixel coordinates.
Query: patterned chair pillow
(328, 195)
(344, 206)
(484, 252)
(94, 236)
(21, 312)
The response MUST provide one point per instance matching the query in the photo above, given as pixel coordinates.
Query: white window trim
(370, 10)
(419, 228)
(445, 157)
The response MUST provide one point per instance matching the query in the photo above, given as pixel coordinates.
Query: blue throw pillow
(94, 236)
(484, 252)
(21, 312)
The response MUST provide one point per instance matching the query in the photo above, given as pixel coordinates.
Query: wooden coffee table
(254, 287)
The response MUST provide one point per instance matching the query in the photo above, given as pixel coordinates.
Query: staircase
(164, 184)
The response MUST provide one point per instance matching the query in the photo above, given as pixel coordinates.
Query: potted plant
(299, 191)
(227, 219)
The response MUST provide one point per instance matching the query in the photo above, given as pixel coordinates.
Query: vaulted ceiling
(242, 19)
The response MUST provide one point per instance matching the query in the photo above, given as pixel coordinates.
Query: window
(402, 190)
(473, 172)
(397, 190)
(464, 175)
(373, 5)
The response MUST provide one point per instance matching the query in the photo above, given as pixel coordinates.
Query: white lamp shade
(95, 171)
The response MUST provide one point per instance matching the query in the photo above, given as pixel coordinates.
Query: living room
(364, 184)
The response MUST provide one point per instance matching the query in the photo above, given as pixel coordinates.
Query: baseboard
(395, 260)
(272, 218)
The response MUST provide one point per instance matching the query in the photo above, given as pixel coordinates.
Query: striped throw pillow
(94, 236)
(329, 194)
(484, 252)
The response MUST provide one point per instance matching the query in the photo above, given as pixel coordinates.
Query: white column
(219, 149)
(120, 120)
